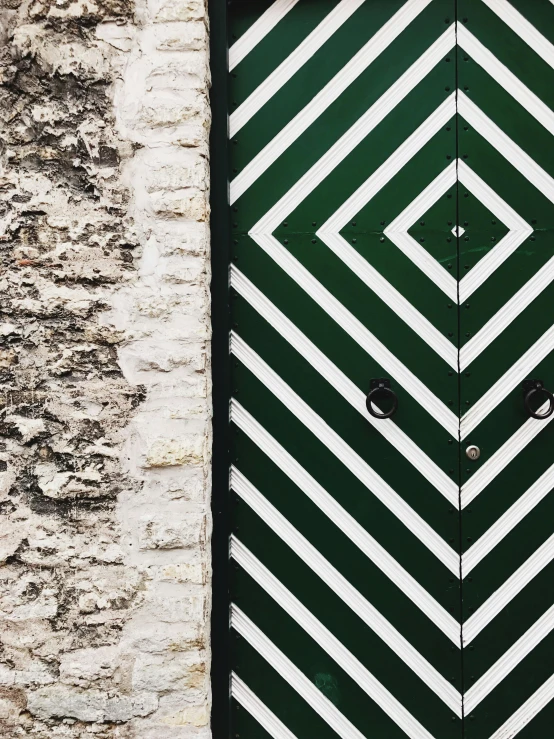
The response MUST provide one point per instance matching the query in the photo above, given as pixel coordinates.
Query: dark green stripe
(335, 343)
(362, 438)
(341, 552)
(354, 170)
(275, 47)
(363, 643)
(349, 491)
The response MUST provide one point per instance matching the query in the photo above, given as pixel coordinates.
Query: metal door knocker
(381, 390)
(535, 389)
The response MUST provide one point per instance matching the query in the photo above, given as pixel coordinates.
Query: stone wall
(105, 415)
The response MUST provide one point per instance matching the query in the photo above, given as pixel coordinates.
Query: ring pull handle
(530, 390)
(381, 389)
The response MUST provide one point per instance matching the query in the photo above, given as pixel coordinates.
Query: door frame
(220, 315)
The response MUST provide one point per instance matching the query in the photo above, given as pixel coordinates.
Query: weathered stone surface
(92, 705)
(105, 370)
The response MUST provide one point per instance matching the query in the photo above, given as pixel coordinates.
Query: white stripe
(295, 61)
(390, 168)
(503, 456)
(510, 380)
(397, 232)
(349, 391)
(519, 231)
(251, 703)
(514, 585)
(501, 74)
(292, 675)
(258, 31)
(425, 200)
(509, 661)
(340, 82)
(343, 520)
(508, 148)
(347, 143)
(525, 30)
(508, 521)
(391, 297)
(374, 483)
(339, 585)
(507, 314)
(527, 711)
(359, 333)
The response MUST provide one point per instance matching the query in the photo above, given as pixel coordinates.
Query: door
(506, 204)
(390, 199)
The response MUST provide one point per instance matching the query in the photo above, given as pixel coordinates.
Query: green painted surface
(282, 386)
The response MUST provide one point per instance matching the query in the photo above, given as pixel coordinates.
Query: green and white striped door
(392, 202)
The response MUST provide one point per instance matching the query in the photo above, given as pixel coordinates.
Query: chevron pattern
(392, 199)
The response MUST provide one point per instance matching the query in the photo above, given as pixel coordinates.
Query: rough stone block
(83, 666)
(177, 10)
(90, 705)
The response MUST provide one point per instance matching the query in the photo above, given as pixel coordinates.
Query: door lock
(473, 452)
